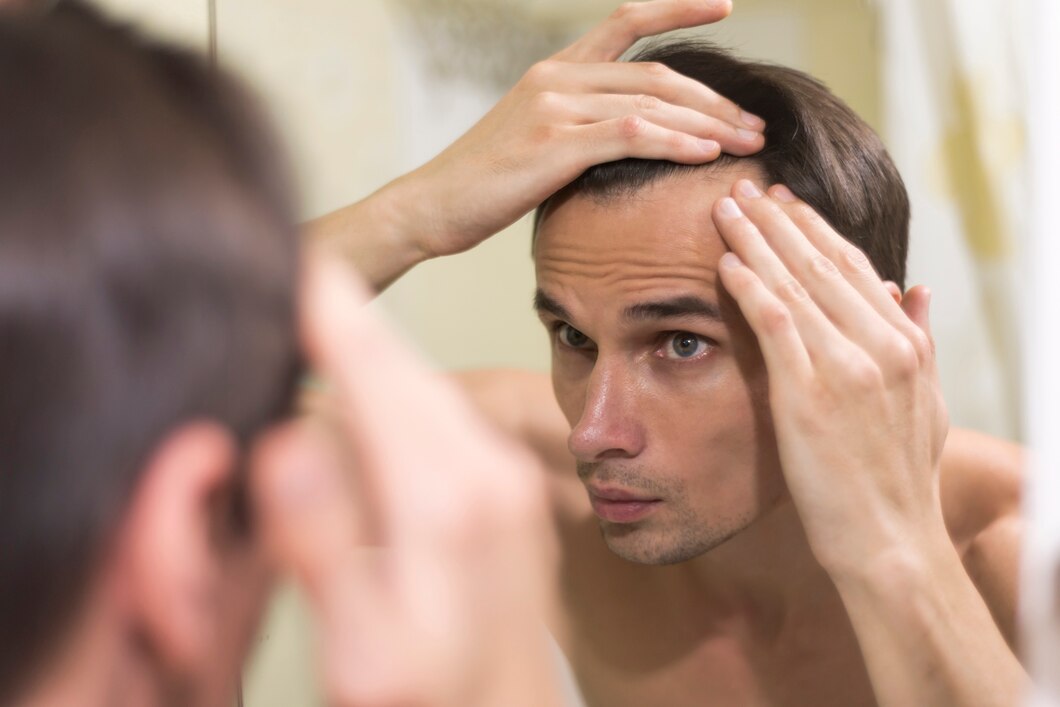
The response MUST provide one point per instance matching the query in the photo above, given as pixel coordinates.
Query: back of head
(815, 144)
(147, 275)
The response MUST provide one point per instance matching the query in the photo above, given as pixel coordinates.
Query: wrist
(898, 571)
(379, 236)
(394, 211)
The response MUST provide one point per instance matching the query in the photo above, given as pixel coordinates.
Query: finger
(820, 339)
(308, 524)
(782, 347)
(848, 258)
(916, 305)
(303, 506)
(397, 413)
(593, 108)
(633, 136)
(652, 79)
(634, 20)
(831, 292)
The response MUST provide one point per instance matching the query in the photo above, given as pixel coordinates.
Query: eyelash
(666, 340)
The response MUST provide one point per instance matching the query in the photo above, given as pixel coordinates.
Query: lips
(621, 506)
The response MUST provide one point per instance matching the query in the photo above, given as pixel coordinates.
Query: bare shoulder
(981, 487)
(523, 405)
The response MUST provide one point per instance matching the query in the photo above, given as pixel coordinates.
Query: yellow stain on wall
(975, 155)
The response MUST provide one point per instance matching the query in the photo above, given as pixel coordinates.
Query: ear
(894, 290)
(168, 561)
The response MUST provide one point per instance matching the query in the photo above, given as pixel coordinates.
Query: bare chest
(728, 676)
(637, 649)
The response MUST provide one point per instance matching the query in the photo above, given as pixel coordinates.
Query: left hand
(855, 396)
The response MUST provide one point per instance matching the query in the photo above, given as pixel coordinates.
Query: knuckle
(790, 291)
(903, 357)
(540, 73)
(626, 12)
(547, 102)
(646, 102)
(678, 141)
(862, 373)
(822, 267)
(656, 71)
(775, 318)
(631, 127)
(856, 260)
(923, 345)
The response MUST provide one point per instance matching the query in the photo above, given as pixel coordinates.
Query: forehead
(659, 240)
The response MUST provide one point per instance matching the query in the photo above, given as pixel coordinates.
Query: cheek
(569, 390)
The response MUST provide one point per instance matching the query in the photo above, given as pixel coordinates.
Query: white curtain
(953, 122)
(1041, 572)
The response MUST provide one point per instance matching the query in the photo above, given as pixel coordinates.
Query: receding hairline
(613, 194)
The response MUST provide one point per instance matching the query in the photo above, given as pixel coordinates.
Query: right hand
(574, 110)
(429, 578)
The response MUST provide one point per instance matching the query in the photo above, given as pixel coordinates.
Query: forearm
(379, 235)
(926, 634)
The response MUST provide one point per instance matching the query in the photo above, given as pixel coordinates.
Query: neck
(766, 573)
(93, 668)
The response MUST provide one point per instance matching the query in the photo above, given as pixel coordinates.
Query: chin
(646, 546)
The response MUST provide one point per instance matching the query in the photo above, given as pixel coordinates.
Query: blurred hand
(445, 609)
(854, 388)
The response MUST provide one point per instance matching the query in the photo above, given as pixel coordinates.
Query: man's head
(147, 335)
(653, 365)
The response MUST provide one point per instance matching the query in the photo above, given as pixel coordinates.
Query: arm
(569, 112)
(982, 484)
(860, 425)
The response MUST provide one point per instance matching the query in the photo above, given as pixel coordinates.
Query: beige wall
(357, 107)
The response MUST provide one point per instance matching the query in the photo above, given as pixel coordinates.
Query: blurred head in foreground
(147, 336)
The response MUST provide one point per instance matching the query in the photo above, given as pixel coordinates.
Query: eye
(685, 345)
(569, 336)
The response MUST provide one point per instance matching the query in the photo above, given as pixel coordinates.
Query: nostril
(605, 439)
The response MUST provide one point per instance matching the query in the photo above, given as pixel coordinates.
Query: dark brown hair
(815, 144)
(147, 278)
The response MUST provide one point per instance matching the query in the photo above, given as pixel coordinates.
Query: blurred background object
(364, 90)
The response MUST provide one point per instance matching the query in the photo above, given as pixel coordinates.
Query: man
(758, 433)
(151, 482)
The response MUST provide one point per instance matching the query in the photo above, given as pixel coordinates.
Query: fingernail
(782, 193)
(747, 188)
(730, 260)
(748, 134)
(728, 208)
(751, 119)
(709, 145)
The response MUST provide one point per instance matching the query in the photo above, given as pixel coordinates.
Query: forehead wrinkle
(609, 272)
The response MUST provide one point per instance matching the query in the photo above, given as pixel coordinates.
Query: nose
(609, 426)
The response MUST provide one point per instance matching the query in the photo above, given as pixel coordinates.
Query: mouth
(620, 506)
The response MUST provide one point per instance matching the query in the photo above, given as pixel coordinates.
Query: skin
(787, 610)
(652, 413)
(748, 614)
(752, 619)
(414, 622)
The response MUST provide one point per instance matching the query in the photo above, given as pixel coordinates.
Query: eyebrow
(684, 306)
(544, 303)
